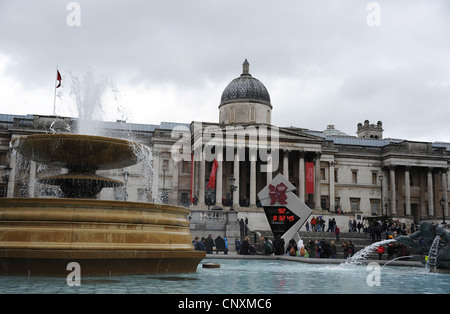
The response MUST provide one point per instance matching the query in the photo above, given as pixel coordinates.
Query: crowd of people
(388, 229)
(312, 249)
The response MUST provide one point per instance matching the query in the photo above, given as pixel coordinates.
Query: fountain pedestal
(41, 236)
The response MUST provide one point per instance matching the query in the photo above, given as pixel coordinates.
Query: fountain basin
(78, 153)
(41, 236)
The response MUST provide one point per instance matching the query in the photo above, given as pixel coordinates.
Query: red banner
(212, 177)
(309, 177)
(192, 178)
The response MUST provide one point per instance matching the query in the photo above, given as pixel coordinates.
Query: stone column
(430, 192)
(219, 175)
(269, 169)
(317, 190)
(331, 178)
(407, 193)
(201, 180)
(174, 196)
(444, 192)
(253, 155)
(236, 176)
(286, 164)
(301, 176)
(393, 196)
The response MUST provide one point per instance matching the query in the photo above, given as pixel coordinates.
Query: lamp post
(5, 178)
(381, 200)
(386, 206)
(442, 201)
(233, 188)
(164, 196)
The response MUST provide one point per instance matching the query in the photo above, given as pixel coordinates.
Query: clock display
(280, 218)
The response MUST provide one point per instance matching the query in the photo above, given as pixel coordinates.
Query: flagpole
(54, 96)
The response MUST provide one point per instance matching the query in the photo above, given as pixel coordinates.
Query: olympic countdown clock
(285, 212)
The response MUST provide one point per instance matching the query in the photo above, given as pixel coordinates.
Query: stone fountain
(41, 236)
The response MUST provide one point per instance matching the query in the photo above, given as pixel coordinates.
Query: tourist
(292, 248)
(337, 231)
(330, 225)
(350, 226)
(209, 244)
(326, 249)
(378, 231)
(246, 225)
(242, 228)
(345, 249)
(246, 248)
(198, 245)
(359, 226)
(278, 246)
(380, 251)
(237, 245)
(372, 231)
(261, 247)
(307, 226)
(351, 248)
(303, 252)
(312, 249)
(333, 249)
(391, 251)
(313, 223)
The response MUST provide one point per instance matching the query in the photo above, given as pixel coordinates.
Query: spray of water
(362, 254)
(432, 255)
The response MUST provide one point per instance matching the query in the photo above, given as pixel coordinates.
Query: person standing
(337, 231)
(242, 228)
(313, 223)
(209, 244)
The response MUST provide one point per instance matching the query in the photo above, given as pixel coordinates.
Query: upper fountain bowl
(79, 153)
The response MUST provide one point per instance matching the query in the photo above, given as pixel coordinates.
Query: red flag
(309, 177)
(58, 78)
(212, 176)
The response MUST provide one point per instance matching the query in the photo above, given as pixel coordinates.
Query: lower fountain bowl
(41, 236)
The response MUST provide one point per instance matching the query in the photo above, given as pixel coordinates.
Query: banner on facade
(192, 178)
(309, 177)
(212, 176)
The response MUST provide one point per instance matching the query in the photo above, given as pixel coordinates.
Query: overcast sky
(322, 61)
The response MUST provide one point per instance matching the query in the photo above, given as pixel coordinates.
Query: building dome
(245, 89)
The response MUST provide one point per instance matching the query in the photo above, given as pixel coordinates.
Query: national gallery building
(226, 163)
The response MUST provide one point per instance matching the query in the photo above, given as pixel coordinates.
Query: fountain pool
(247, 276)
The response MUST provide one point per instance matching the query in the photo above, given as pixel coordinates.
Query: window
(252, 114)
(374, 206)
(335, 175)
(374, 178)
(232, 115)
(354, 203)
(2, 190)
(185, 167)
(322, 173)
(354, 176)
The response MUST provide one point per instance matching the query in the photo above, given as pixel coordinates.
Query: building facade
(333, 172)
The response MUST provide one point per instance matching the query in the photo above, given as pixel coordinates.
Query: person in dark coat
(220, 245)
(209, 244)
(246, 248)
(278, 246)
